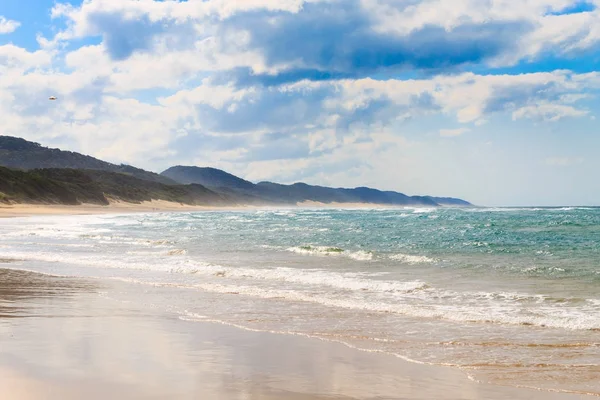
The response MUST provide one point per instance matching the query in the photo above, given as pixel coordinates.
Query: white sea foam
(362, 292)
(455, 306)
(499, 209)
(360, 255)
(423, 210)
(412, 259)
(185, 265)
(556, 318)
(517, 209)
(320, 278)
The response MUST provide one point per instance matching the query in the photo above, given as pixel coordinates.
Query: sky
(492, 101)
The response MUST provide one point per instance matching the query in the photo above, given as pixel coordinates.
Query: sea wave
(359, 291)
(320, 278)
(584, 320)
(526, 209)
(412, 259)
(185, 265)
(360, 255)
(423, 210)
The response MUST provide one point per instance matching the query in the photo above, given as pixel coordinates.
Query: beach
(116, 207)
(25, 210)
(299, 304)
(66, 338)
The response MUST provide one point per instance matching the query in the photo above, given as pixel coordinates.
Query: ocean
(510, 296)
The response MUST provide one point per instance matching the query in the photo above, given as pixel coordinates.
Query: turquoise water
(510, 296)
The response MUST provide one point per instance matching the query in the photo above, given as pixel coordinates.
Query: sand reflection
(98, 347)
(22, 293)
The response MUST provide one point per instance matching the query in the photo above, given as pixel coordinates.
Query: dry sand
(65, 338)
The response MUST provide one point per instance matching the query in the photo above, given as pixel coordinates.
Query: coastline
(70, 338)
(26, 210)
(349, 206)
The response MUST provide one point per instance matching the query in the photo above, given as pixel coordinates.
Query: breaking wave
(360, 255)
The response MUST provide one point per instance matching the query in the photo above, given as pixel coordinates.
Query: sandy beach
(24, 210)
(67, 338)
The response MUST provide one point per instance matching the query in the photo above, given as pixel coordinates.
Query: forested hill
(35, 173)
(19, 153)
(77, 186)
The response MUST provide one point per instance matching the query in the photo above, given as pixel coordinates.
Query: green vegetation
(73, 187)
(19, 153)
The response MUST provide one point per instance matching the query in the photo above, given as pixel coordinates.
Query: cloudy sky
(494, 101)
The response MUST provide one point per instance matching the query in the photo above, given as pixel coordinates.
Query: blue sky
(494, 102)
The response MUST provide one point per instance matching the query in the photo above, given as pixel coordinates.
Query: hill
(209, 177)
(35, 173)
(21, 154)
(74, 187)
(224, 182)
(301, 192)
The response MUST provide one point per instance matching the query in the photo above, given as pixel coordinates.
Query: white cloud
(548, 30)
(548, 112)
(453, 132)
(470, 98)
(180, 10)
(324, 117)
(14, 58)
(8, 26)
(496, 33)
(203, 82)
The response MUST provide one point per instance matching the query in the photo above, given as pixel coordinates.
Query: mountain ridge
(300, 192)
(56, 175)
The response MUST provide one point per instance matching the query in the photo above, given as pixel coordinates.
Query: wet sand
(65, 338)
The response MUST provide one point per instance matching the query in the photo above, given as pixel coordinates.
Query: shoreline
(91, 342)
(27, 210)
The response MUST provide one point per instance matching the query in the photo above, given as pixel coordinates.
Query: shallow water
(71, 338)
(510, 296)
